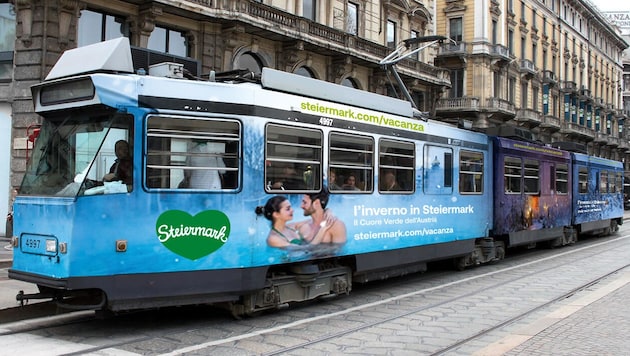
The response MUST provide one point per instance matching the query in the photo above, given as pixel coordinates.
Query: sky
(612, 5)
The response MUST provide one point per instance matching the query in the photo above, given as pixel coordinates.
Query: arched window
(349, 82)
(249, 61)
(305, 72)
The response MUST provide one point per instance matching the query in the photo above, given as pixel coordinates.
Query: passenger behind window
(332, 181)
(122, 169)
(288, 178)
(350, 183)
(206, 155)
(389, 182)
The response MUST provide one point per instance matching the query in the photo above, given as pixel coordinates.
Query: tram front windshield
(73, 152)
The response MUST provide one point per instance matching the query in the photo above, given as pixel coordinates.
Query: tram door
(438, 170)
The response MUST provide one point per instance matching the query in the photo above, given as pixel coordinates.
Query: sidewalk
(6, 252)
(593, 322)
(9, 288)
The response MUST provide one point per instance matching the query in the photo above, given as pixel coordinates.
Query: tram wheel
(500, 251)
(614, 227)
(460, 263)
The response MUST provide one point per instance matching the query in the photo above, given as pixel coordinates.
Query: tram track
(458, 298)
(528, 313)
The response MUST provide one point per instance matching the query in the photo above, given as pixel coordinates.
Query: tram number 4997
(326, 121)
(32, 243)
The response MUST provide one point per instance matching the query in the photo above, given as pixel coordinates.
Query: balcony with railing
(549, 77)
(573, 129)
(527, 67)
(501, 106)
(458, 106)
(500, 53)
(528, 116)
(449, 49)
(436, 75)
(613, 141)
(568, 86)
(550, 123)
(600, 137)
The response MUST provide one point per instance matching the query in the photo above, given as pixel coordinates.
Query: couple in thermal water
(322, 227)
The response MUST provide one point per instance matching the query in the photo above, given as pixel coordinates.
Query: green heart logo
(193, 237)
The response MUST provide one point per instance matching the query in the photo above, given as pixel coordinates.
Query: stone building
(552, 66)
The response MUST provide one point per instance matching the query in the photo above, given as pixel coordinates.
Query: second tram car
(531, 192)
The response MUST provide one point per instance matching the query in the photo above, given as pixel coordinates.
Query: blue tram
(180, 226)
(155, 190)
(597, 204)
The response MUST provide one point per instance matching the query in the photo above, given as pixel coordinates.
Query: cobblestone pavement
(601, 328)
(595, 321)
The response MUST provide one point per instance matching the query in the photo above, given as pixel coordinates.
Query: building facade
(553, 66)
(621, 19)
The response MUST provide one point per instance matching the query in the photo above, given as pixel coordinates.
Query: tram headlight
(51, 245)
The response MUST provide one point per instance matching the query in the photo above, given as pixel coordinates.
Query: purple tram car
(532, 196)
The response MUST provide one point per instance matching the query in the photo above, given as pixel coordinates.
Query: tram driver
(122, 169)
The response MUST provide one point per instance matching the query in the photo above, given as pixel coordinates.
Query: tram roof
(108, 56)
(587, 159)
(115, 56)
(320, 89)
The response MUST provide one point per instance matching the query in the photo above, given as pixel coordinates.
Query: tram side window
(396, 166)
(470, 172)
(612, 188)
(192, 153)
(618, 183)
(582, 180)
(512, 175)
(562, 179)
(532, 177)
(293, 157)
(603, 182)
(351, 163)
